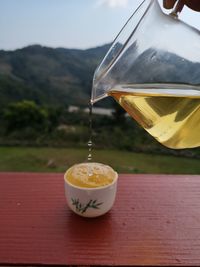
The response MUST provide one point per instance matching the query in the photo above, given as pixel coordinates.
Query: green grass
(30, 159)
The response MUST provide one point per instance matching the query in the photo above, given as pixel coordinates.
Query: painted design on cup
(82, 208)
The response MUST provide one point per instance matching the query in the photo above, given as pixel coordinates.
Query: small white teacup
(94, 201)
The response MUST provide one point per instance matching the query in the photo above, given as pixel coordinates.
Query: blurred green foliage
(23, 115)
(26, 123)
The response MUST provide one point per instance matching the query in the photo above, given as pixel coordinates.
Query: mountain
(48, 76)
(64, 76)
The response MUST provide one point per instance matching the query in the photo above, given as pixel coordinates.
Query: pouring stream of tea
(89, 158)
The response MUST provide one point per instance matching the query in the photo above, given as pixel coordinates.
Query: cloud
(113, 3)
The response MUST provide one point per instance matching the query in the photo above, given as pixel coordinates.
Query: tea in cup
(90, 188)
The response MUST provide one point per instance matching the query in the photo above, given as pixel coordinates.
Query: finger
(169, 4)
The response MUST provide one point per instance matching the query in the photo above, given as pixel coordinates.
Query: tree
(25, 114)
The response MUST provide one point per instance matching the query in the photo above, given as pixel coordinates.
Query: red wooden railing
(155, 221)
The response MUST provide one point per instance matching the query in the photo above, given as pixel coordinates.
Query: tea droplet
(89, 157)
(89, 143)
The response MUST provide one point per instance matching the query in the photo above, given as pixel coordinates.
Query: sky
(68, 23)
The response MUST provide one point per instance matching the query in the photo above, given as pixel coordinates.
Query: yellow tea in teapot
(171, 115)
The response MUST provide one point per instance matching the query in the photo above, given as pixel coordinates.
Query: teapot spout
(100, 90)
(102, 81)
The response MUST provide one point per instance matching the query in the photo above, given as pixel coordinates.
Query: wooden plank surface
(155, 221)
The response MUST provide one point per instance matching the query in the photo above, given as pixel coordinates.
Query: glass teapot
(153, 71)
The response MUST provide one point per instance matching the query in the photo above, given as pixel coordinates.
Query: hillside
(61, 77)
(48, 76)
